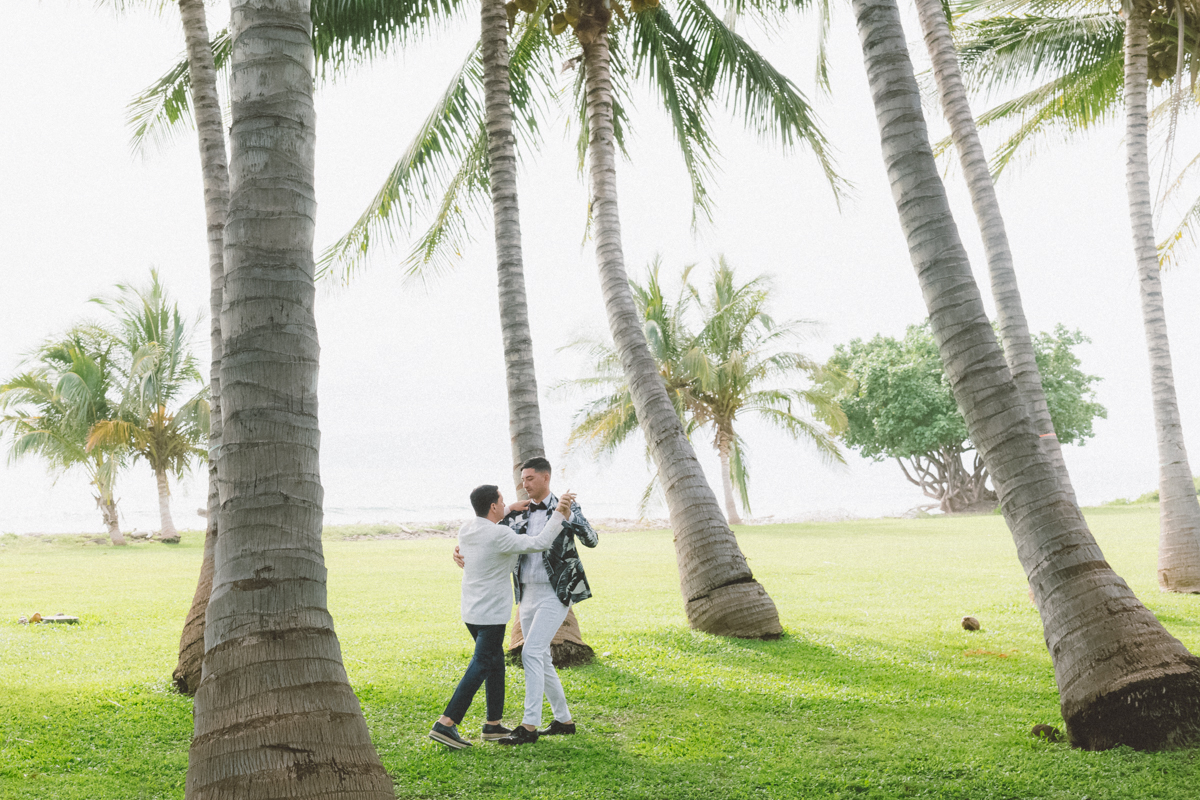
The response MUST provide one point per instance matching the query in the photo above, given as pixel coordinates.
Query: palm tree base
(1155, 709)
(1178, 585)
(740, 609)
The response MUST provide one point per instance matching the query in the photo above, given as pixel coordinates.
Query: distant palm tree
(715, 375)
(54, 405)
(162, 417)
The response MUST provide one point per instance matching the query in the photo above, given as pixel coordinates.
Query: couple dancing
(534, 542)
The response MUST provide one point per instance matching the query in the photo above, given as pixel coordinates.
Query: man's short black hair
(482, 498)
(538, 464)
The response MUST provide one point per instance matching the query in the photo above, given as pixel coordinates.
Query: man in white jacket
(490, 553)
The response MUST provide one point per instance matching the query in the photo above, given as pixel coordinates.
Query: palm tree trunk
(524, 419)
(206, 108)
(108, 509)
(720, 593)
(274, 714)
(1122, 678)
(1179, 512)
(1014, 330)
(103, 478)
(723, 450)
(166, 524)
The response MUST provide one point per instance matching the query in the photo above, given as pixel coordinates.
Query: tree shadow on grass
(684, 715)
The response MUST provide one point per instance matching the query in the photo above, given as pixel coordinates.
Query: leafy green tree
(51, 407)
(162, 417)
(899, 405)
(729, 367)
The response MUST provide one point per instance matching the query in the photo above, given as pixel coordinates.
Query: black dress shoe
(558, 729)
(520, 735)
(448, 735)
(493, 732)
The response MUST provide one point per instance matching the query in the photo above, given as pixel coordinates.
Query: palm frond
(161, 111)
(763, 98)
(666, 57)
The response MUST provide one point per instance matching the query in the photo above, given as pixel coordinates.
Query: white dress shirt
(490, 553)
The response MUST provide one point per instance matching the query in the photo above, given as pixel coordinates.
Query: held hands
(458, 559)
(564, 503)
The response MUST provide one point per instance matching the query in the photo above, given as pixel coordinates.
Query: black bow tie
(537, 506)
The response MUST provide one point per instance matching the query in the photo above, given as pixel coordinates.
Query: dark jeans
(487, 666)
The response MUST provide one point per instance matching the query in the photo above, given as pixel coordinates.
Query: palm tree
(154, 419)
(1179, 512)
(1122, 678)
(210, 127)
(715, 374)
(1010, 313)
(720, 593)
(53, 405)
(524, 417)
(274, 712)
(1093, 71)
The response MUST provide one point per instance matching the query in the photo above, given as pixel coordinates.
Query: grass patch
(875, 691)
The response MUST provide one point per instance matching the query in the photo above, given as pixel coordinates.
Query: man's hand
(564, 503)
(520, 505)
(458, 559)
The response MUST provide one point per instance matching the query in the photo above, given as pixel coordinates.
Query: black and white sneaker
(493, 732)
(520, 735)
(448, 735)
(558, 729)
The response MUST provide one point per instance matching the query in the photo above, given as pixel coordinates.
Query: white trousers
(542, 614)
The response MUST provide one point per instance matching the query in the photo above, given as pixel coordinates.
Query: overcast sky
(413, 411)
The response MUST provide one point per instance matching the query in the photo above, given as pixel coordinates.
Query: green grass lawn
(875, 691)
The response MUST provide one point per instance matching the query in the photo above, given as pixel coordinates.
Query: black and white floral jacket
(562, 559)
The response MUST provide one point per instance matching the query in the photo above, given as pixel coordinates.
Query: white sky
(413, 411)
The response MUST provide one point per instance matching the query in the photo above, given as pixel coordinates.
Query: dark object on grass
(970, 624)
(170, 539)
(1047, 732)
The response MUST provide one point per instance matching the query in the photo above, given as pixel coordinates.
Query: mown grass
(875, 691)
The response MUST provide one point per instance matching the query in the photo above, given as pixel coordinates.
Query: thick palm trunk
(206, 107)
(1179, 512)
(274, 714)
(723, 450)
(720, 593)
(524, 419)
(166, 524)
(1014, 330)
(1122, 678)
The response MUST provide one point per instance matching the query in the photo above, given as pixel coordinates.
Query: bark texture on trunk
(723, 450)
(524, 418)
(274, 714)
(1179, 511)
(166, 524)
(720, 593)
(188, 669)
(1122, 678)
(1014, 330)
(206, 109)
